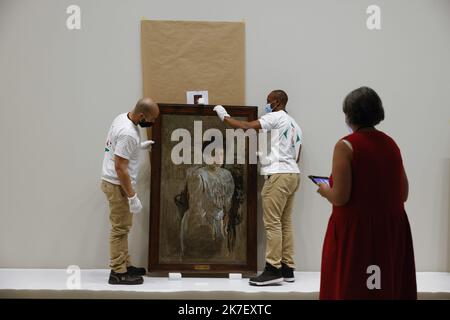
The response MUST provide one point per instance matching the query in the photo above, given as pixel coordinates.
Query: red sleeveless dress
(372, 229)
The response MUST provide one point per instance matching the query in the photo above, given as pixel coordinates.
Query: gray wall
(60, 90)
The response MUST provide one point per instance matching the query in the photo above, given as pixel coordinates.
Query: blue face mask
(267, 108)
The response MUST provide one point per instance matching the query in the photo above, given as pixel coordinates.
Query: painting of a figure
(201, 210)
(210, 209)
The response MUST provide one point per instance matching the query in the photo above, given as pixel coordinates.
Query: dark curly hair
(281, 96)
(363, 107)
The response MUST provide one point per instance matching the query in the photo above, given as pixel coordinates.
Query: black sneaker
(124, 278)
(134, 271)
(270, 276)
(287, 272)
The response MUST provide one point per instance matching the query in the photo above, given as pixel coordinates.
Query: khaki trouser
(277, 200)
(121, 220)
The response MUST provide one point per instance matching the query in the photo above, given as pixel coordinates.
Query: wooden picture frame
(168, 249)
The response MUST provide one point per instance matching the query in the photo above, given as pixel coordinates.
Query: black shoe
(124, 278)
(287, 272)
(270, 276)
(136, 271)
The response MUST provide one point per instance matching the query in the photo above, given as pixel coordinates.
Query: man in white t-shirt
(282, 181)
(119, 174)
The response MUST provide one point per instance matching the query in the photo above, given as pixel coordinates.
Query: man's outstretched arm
(234, 123)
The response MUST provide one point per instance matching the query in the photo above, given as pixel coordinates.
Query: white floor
(56, 283)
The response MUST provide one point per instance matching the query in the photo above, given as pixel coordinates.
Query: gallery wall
(60, 89)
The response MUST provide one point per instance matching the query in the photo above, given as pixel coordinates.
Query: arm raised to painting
(237, 124)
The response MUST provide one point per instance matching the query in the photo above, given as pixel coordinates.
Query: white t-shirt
(285, 141)
(123, 140)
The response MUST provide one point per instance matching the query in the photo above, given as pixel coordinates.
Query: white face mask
(267, 108)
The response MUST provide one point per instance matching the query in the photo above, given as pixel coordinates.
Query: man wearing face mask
(282, 176)
(119, 173)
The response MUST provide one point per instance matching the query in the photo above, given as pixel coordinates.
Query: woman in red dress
(368, 250)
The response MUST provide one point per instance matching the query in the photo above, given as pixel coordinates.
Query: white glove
(135, 204)
(147, 145)
(221, 112)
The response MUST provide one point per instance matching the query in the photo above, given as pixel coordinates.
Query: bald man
(119, 173)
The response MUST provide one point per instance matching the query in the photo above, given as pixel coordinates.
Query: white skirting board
(58, 284)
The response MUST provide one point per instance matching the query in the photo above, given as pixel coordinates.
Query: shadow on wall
(446, 192)
(139, 235)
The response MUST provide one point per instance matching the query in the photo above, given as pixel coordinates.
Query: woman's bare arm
(339, 195)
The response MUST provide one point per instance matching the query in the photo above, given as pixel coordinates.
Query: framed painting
(202, 213)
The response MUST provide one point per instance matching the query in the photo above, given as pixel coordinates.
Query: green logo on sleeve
(108, 145)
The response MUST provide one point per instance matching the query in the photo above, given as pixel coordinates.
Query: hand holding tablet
(318, 180)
